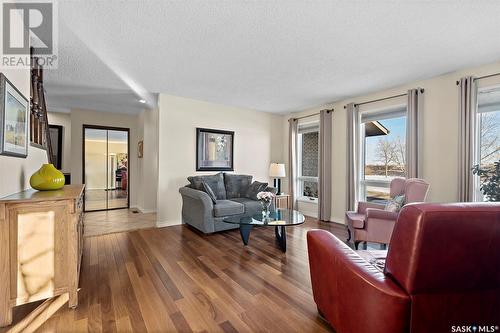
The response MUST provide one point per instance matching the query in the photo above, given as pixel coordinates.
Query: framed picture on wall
(56, 138)
(14, 119)
(214, 150)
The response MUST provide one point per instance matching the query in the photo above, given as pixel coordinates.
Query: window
(308, 154)
(487, 143)
(383, 152)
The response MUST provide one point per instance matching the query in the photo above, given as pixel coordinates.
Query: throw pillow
(236, 185)
(255, 188)
(216, 183)
(208, 190)
(395, 204)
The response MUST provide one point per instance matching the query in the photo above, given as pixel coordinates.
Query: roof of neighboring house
(374, 128)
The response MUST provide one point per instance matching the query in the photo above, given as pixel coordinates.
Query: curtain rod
(383, 99)
(482, 77)
(311, 115)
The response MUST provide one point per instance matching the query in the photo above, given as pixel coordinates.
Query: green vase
(47, 178)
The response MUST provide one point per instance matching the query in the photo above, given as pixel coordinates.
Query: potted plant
(490, 180)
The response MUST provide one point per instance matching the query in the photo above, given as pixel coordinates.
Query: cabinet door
(40, 256)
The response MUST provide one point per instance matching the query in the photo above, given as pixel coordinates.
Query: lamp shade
(277, 170)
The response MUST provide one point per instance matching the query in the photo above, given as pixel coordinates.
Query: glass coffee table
(279, 219)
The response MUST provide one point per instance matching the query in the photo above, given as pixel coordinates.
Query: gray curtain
(325, 165)
(352, 155)
(467, 110)
(412, 146)
(292, 160)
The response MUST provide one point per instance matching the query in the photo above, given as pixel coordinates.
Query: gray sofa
(231, 195)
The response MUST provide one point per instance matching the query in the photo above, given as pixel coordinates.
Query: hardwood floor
(106, 222)
(177, 280)
(96, 199)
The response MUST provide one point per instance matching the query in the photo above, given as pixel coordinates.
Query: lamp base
(277, 184)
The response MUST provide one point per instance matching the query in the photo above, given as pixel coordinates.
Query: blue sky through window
(396, 127)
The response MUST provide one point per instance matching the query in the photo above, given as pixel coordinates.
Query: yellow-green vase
(47, 178)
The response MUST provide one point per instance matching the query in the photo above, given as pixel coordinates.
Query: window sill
(308, 200)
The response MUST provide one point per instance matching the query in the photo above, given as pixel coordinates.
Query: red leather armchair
(442, 270)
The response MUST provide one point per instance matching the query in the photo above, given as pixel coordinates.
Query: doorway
(106, 167)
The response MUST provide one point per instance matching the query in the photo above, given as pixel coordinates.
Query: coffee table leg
(245, 232)
(281, 237)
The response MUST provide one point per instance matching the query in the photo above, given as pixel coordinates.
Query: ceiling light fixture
(143, 101)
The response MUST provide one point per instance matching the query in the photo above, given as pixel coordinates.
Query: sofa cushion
(207, 189)
(216, 183)
(228, 207)
(357, 220)
(251, 206)
(236, 185)
(254, 189)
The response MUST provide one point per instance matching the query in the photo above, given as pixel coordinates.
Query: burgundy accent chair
(371, 223)
(441, 270)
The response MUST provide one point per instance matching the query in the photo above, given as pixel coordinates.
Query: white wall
(148, 165)
(64, 120)
(15, 172)
(439, 135)
(88, 117)
(257, 142)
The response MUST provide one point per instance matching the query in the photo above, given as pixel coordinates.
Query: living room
(251, 178)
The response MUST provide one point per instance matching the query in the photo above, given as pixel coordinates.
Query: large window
(308, 154)
(487, 143)
(383, 152)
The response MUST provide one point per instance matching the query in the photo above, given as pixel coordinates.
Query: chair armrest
(352, 294)
(363, 206)
(381, 214)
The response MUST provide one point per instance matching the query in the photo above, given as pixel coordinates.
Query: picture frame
(56, 137)
(214, 150)
(14, 120)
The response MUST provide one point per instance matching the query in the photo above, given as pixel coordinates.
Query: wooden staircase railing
(39, 123)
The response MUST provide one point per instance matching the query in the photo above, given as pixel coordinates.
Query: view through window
(308, 160)
(488, 134)
(383, 153)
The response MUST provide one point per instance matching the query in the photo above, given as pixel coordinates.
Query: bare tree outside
(386, 154)
(400, 154)
(490, 137)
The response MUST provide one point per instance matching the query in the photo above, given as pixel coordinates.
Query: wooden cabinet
(41, 245)
(282, 201)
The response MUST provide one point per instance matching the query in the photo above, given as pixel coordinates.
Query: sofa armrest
(381, 214)
(195, 194)
(352, 294)
(197, 209)
(363, 206)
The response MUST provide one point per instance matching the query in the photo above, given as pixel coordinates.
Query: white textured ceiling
(275, 56)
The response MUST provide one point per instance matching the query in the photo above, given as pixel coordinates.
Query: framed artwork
(214, 150)
(14, 119)
(140, 149)
(56, 138)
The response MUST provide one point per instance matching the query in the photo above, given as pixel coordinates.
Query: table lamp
(277, 171)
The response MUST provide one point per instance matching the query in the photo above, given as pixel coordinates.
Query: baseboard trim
(142, 210)
(338, 220)
(162, 224)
